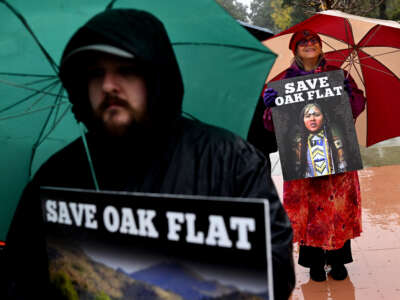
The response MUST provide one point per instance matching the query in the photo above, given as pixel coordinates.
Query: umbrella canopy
(223, 68)
(369, 49)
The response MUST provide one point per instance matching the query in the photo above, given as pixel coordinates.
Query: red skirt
(324, 211)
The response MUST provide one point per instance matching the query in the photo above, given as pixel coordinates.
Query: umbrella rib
(26, 75)
(350, 58)
(56, 122)
(380, 54)
(58, 101)
(36, 92)
(350, 63)
(42, 95)
(29, 112)
(363, 65)
(38, 140)
(38, 81)
(347, 33)
(334, 49)
(373, 68)
(347, 43)
(29, 29)
(19, 102)
(336, 59)
(378, 70)
(27, 88)
(374, 33)
(368, 56)
(347, 37)
(55, 107)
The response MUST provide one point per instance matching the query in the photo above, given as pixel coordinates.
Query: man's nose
(110, 82)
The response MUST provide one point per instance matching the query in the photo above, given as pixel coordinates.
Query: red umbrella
(369, 49)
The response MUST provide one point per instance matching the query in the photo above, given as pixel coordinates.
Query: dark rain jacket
(175, 155)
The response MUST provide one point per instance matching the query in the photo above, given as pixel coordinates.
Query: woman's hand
(347, 86)
(269, 97)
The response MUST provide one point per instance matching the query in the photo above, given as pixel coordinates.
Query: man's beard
(107, 124)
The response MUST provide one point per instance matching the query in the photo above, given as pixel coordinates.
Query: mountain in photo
(181, 280)
(74, 275)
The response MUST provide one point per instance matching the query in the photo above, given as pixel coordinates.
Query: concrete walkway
(375, 272)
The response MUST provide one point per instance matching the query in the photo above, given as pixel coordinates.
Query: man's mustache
(111, 100)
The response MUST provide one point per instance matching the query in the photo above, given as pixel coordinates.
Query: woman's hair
(304, 133)
(300, 64)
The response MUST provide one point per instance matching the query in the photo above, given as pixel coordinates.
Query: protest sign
(126, 245)
(314, 126)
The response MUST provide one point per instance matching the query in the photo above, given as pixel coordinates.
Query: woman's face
(313, 119)
(309, 48)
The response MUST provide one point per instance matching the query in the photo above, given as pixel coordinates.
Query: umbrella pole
(89, 157)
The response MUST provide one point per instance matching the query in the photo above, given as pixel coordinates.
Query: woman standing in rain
(325, 211)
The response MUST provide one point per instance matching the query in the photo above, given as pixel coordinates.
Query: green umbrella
(223, 67)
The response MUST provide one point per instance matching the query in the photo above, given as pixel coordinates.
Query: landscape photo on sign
(314, 126)
(124, 246)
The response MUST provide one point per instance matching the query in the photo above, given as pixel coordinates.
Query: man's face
(117, 92)
(313, 119)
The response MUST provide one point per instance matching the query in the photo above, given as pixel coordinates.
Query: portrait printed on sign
(314, 126)
(107, 245)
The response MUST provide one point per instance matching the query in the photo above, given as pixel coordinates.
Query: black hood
(141, 34)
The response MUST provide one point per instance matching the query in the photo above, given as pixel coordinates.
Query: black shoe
(338, 272)
(317, 273)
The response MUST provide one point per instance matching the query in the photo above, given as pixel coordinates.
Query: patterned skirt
(324, 211)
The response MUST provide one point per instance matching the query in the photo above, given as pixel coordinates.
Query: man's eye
(95, 73)
(128, 71)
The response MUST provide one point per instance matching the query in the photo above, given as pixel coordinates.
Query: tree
(356, 7)
(281, 14)
(275, 15)
(260, 14)
(236, 9)
(278, 15)
(386, 10)
(393, 8)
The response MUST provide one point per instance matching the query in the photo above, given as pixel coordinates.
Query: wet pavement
(375, 272)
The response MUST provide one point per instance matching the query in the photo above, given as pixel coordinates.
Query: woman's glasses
(304, 43)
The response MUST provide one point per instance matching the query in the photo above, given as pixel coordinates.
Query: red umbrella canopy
(369, 49)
